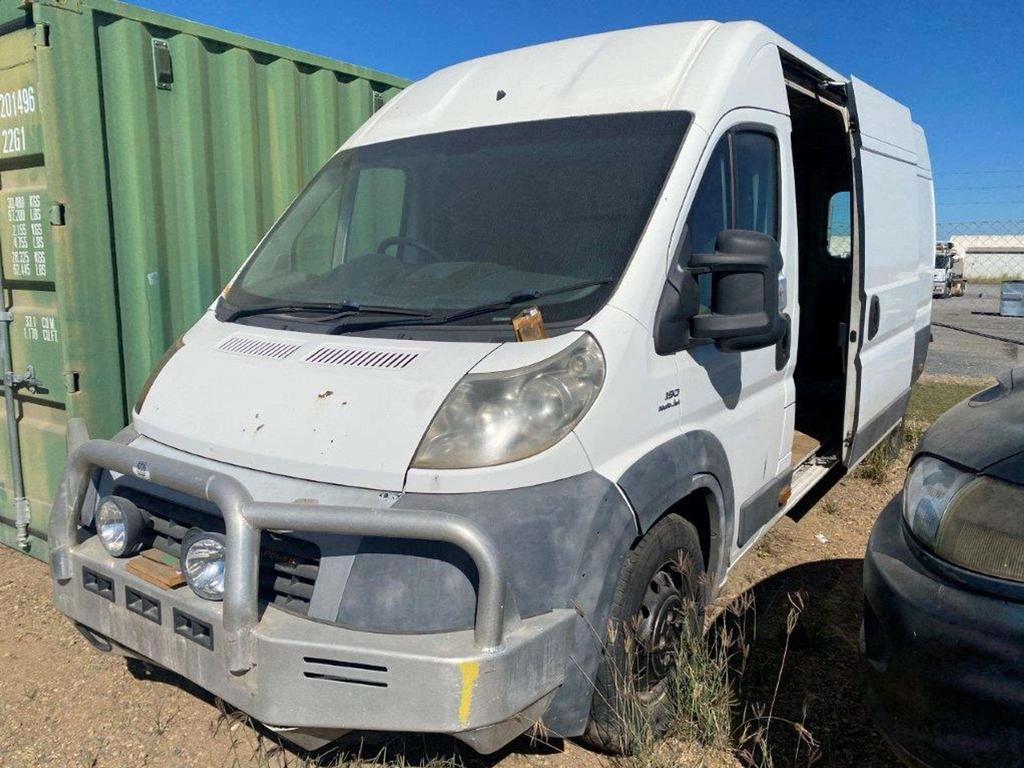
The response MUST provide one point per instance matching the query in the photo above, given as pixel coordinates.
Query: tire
(669, 553)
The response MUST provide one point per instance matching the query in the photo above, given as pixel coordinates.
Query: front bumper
(943, 664)
(484, 685)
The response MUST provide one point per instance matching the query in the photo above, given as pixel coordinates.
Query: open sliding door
(888, 251)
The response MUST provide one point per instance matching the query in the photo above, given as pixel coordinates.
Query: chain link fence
(993, 251)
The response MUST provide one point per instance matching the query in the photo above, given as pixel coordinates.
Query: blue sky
(958, 65)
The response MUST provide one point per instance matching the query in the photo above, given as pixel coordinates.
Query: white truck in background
(948, 275)
(393, 512)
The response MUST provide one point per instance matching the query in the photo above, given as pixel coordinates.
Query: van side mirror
(745, 270)
(744, 304)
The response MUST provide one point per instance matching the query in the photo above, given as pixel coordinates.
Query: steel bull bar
(245, 518)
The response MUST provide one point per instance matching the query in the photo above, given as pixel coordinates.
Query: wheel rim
(661, 623)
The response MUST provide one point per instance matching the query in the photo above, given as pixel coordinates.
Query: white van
(391, 512)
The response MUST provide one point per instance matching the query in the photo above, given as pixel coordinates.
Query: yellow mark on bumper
(470, 672)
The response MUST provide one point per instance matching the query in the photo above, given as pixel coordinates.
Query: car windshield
(446, 222)
(942, 261)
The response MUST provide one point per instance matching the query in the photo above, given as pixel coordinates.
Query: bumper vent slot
(351, 672)
(288, 566)
(191, 628)
(97, 584)
(361, 358)
(147, 607)
(254, 346)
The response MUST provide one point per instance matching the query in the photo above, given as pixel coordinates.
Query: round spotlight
(120, 525)
(202, 562)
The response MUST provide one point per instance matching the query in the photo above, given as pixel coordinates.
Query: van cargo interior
(823, 177)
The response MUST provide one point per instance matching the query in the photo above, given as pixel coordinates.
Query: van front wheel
(658, 605)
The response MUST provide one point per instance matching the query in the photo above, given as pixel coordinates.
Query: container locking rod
(11, 384)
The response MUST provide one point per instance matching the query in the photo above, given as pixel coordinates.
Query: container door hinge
(163, 69)
(57, 214)
(41, 36)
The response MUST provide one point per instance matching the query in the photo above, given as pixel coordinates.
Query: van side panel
(890, 253)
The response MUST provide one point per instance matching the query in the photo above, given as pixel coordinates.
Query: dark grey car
(943, 631)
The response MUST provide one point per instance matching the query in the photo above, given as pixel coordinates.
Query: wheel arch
(687, 476)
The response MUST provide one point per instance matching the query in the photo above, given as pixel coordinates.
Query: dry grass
(709, 721)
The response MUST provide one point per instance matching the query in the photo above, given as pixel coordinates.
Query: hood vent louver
(361, 358)
(254, 346)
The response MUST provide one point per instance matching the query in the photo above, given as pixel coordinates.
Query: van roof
(704, 67)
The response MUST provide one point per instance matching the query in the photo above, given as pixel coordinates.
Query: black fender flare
(675, 469)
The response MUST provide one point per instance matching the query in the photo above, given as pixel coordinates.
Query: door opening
(823, 180)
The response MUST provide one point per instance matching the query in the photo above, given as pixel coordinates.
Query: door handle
(874, 317)
(784, 344)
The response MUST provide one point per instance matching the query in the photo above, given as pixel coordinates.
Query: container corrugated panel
(141, 159)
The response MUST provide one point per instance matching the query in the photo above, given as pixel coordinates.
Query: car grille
(288, 566)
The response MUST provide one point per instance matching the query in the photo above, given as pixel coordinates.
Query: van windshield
(446, 222)
(942, 261)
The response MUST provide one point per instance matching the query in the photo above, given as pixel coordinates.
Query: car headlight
(971, 521)
(495, 418)
(120, 525)
(202, 563)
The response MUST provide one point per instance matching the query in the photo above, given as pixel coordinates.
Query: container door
(29, 298)
(889, 254)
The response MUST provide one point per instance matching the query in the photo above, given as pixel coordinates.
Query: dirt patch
(62, 703)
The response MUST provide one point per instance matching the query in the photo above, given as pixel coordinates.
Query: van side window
(711, 211)
(739, 190)
(840, 240)
(756, 172)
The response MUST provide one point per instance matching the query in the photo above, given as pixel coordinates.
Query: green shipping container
(141, 159)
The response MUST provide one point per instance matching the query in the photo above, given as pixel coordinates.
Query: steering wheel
(423, 248)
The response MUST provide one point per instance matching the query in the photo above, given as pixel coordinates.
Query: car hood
(341, 410)
(938, 275)
(984, 429)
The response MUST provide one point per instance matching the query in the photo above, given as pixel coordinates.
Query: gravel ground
(962, 354)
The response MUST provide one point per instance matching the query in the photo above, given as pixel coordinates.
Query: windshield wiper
(516, 297)
(520, 297)
(333, 308)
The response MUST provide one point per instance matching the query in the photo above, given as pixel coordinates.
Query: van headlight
(495, 418)
(971, 521)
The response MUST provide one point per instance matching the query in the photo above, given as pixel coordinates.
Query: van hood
(341, 410)
(938, 275)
